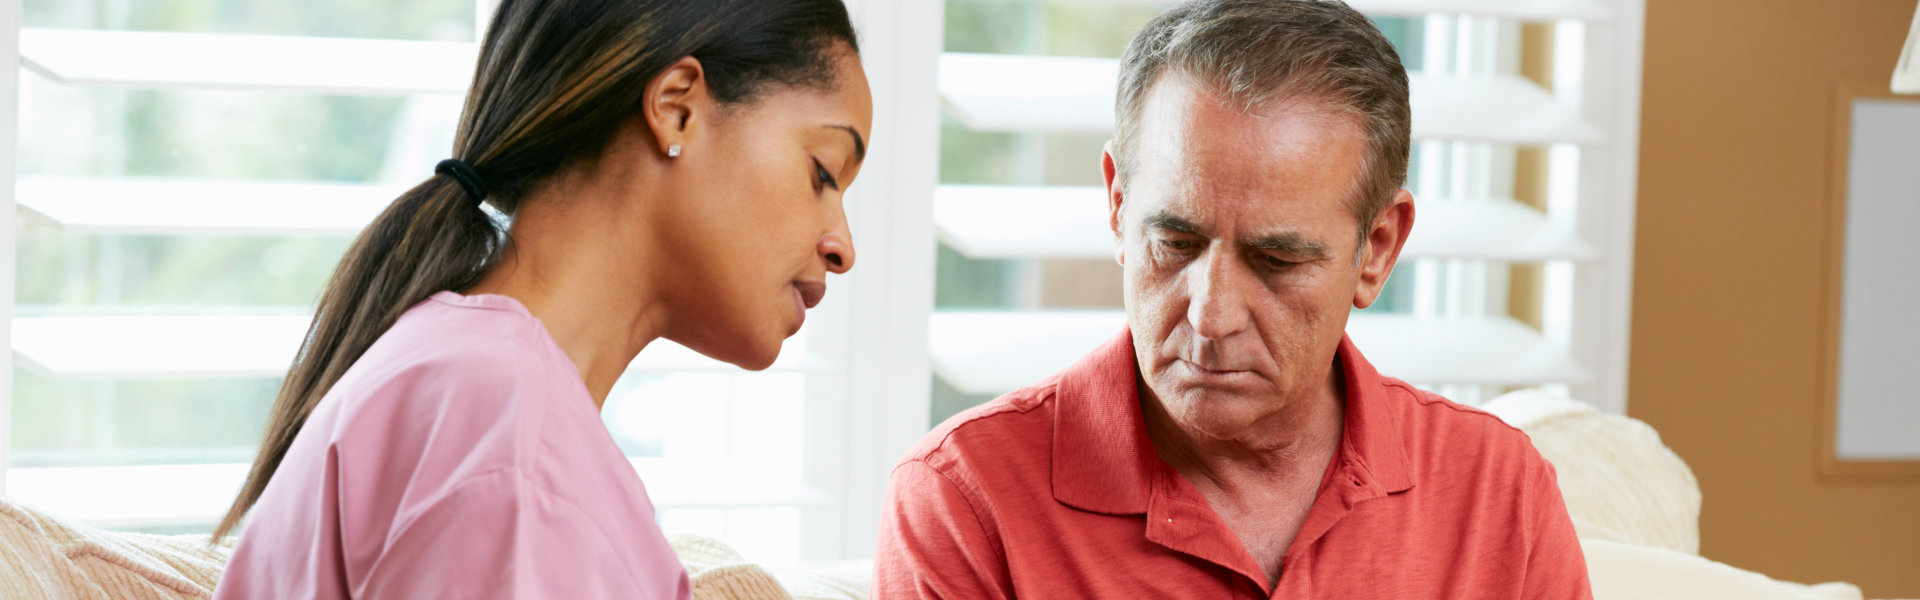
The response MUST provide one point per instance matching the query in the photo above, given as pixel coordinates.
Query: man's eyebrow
(1289, 242)
(859, 143)
(1169, 222)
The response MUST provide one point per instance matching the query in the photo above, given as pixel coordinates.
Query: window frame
(863, 418)
(10, 21)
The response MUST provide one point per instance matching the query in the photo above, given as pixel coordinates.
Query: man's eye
(1277, 264)
(825, 178)
(1178, 245)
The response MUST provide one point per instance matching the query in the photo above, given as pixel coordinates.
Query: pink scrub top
(460, 457)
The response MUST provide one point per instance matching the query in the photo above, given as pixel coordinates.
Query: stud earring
(673, 151)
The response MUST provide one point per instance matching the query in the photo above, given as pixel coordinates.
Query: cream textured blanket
(43, 557)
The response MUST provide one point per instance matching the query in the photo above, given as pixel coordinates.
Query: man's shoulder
(1445, 435)
(1013, 426)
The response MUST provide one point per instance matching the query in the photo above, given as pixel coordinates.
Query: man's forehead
(1178, 109)
(1195, 147)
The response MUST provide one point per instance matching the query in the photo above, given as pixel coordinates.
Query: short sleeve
(1556, 568)
(495, 536)
(932, 543)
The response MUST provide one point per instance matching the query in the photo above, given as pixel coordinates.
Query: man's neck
(1263, 481)
(1295, 439)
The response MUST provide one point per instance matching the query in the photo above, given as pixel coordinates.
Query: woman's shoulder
(477, 352)
(482, 337)
(454, 383)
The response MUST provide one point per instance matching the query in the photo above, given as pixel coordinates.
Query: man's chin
(1215, 404)
(1218, 416)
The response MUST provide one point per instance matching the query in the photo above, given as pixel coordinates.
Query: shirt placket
(1185, 523)
(1349, 487)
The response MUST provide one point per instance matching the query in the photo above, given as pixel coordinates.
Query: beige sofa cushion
(1622, 571)
(30, 567)
(720, 573)
(47, 557)
(1619, 481)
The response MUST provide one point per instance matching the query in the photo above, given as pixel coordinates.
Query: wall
(1729, 289)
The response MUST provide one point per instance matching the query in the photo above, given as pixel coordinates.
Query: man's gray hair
(1261, 52)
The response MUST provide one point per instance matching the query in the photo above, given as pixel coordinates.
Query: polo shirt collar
(1102, 459)
(1372, 433)
(1104, 462)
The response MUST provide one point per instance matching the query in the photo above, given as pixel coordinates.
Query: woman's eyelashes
(823, 179)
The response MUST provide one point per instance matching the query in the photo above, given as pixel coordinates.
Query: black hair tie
(469, 179)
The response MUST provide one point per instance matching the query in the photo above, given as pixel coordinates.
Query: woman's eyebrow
(859, 143)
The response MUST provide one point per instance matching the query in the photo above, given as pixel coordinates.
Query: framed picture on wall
(1871, 418)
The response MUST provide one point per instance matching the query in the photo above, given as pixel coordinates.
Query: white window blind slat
(189, 207)
(198, 494)
(212, 346)
(1493, 230)
(1025, 222)
(996, 352)
(1525, 10)
(1493, 108)
(247, 62)
(1015, 222)
(1032, 94)
(1038, 94)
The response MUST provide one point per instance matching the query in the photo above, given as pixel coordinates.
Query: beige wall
(1727, 350)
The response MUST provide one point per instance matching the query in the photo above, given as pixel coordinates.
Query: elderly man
(1231, 442)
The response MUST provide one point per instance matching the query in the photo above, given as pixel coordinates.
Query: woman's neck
(565, 264)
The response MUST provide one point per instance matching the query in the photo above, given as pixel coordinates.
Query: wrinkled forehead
(1197, 147)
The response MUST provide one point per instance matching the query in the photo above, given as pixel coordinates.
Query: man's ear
(1112, 174)
(676, 104)
(1383, 242)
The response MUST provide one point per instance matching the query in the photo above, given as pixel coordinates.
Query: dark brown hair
(1258, 52)
(555, 81)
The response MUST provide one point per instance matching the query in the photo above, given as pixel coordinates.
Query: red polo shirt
(1055, 492)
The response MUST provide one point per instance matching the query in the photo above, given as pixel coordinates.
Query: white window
(187, 176)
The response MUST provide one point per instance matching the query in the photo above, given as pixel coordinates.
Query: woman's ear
(676, 105)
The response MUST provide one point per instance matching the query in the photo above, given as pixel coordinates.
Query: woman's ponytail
(434, 237)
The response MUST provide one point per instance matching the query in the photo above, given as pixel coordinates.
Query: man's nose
(1217, 296)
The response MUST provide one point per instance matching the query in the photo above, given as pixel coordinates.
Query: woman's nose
(836, 249)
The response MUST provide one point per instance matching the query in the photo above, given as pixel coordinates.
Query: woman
(671, 169)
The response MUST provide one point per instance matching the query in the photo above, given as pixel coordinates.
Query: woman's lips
(806, 294)
(811, 291)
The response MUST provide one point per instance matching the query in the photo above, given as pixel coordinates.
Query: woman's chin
(757, 358)
(751, 345)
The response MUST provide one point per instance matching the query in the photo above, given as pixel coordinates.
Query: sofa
(1634, 503)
